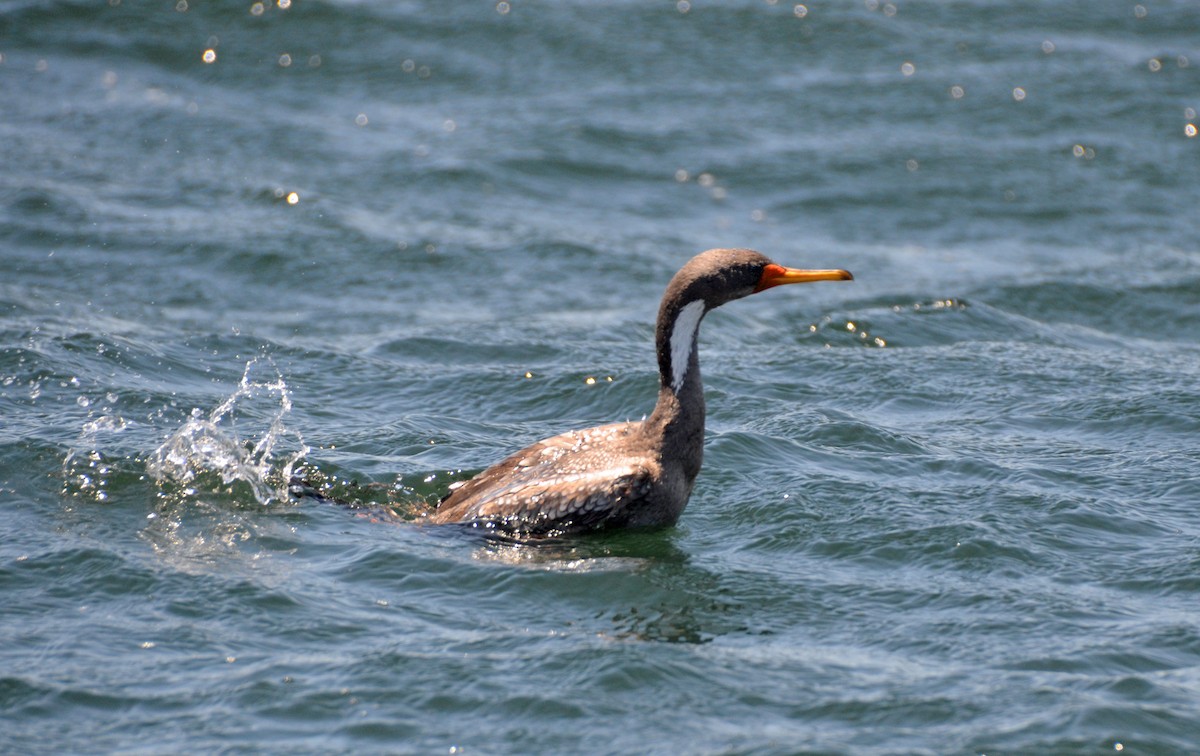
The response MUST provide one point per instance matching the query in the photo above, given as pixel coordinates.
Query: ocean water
(950, 507)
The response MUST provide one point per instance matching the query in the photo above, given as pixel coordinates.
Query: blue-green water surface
(950, 507)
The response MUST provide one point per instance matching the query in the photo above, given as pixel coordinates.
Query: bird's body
(634, 474)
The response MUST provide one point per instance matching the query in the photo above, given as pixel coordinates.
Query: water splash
(210, 444)
(87, 470)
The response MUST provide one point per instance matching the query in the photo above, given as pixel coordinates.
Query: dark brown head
(709, 280)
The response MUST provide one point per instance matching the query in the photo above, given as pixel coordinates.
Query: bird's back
(580, 480)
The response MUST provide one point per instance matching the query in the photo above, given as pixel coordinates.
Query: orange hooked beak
(777, 275)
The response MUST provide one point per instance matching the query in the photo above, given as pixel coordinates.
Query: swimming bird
(631, 474)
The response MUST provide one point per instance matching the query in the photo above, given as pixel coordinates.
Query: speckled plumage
(625, 474)
(575, 481)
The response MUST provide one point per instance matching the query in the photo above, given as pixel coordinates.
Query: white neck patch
(683, 339)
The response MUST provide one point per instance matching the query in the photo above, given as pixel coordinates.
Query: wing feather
(574, 481)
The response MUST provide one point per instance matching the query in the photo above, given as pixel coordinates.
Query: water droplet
(503, 8)
(800, 11)
(1048, 47)
(285, 60)
(83, 401)
(1018, 93)
(209, 56)
(908, 69)
(1155, 65)
(361, 119)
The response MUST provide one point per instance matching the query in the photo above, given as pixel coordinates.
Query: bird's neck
(679, 414)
